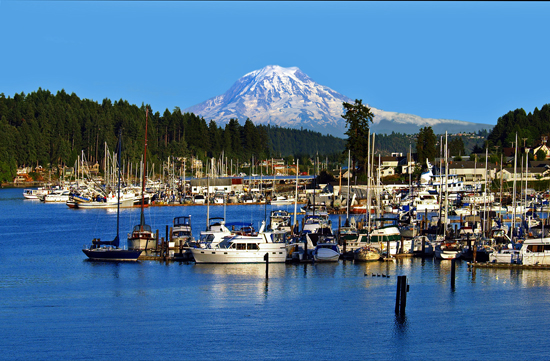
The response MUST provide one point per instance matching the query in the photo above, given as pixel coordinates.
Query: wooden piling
(401, 295)
(453, 266)
(266, 259)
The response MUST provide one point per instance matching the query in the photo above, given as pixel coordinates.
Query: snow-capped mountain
(289, 98)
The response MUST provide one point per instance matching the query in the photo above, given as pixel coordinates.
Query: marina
(51, 296)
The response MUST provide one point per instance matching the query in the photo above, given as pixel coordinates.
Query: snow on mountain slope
(289, 98)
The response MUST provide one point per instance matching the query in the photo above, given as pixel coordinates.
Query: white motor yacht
(244, 249)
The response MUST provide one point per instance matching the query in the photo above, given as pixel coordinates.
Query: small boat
(326, 250)
(181, 235)
(142, 237)
(109, 250)
(281, 201)
(35, 193)
(367, 254)
(447, 250)
(199, 199)
(280, 219)
(506, 256)
(56, 196)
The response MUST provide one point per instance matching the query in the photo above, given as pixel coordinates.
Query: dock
(507, 266)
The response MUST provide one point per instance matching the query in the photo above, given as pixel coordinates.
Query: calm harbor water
(54, 304)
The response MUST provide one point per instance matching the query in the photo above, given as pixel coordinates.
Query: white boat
(282, 201)
(426, 201)
(215, 232)
(219, 198)
(507, 256)
(536, 251)
(35, 193)
(280, 219)
(326, 250)
(447, 250)
(58, 195)
(244, 249)
(200, 199)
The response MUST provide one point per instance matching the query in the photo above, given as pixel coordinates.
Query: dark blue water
(54, 304)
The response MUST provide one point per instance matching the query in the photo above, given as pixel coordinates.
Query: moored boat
(326, 250)
(243, 249)
(109, 250)
(447, 250)
(367, 254)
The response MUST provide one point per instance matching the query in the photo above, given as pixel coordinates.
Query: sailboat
(109, 250)
(142, 237)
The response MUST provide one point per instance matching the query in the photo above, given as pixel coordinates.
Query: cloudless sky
(471, 61)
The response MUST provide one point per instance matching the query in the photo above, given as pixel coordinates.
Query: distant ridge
(289, 98)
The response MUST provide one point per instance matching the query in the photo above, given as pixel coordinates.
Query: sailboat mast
(118, 186)
(142, 221)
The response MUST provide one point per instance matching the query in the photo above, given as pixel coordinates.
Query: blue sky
(471, 61)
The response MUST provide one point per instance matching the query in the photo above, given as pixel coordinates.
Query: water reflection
(276, 270)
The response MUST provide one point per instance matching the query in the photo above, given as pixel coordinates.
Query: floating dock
(507, 266)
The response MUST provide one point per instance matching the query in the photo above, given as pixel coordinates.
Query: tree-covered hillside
(530, 127)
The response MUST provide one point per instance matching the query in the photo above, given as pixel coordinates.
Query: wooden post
(423, 246)
(453, 263)
(474, 250)
(398, 295)
(388, 249)
(404, 290)
(266, 259)
(401, 295)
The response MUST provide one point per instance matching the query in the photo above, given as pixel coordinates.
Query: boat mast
(349, 173)
(512, 224)
(142, 220)
(118, 189)
(446, 180)
(296, 196)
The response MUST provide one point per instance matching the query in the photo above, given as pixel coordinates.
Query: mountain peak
(289, 98)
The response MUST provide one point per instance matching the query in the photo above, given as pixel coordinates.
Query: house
(542, 147)
(471, 171)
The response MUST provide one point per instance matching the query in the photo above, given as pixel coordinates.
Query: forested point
(53, 130)
(528, 127)
(50, 130)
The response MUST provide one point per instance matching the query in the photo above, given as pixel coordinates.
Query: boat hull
(326, 255)
(111, 254)
(220, 255)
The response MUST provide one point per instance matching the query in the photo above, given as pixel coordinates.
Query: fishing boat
(110, 250)
(244, 249)
(142, 236)
(181, 235)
